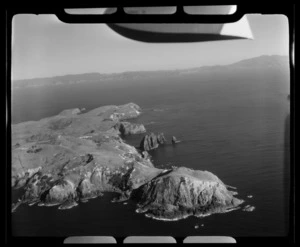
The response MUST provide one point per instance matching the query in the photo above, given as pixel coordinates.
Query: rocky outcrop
(145, 154)
(152, 141)
(69, 112)
(181, 192)
(127, 128)
(174, 140)
(249, 208)
(124, 112)
(22, 177)
(63, 190)
(76, 156)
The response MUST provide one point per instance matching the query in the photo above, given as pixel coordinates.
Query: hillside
(275, 62)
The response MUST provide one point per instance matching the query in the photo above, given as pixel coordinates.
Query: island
(78, 155)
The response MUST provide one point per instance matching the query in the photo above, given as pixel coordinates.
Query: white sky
(43, 46)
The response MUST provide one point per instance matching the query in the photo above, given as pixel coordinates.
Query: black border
(288, 10)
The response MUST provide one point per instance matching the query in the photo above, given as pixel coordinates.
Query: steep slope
(181, 192)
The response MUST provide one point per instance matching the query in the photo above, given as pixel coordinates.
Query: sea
(235, 125)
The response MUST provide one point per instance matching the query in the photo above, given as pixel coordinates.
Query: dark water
(231, 125)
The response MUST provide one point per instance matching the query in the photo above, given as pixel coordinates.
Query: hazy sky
(43, 46)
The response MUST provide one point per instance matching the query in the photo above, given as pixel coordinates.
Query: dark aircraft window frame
(121, 17)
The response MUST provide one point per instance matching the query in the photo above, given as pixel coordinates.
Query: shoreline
(83, 177)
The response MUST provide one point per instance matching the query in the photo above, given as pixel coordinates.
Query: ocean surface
(233, 125)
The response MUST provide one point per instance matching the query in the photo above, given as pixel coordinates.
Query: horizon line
(132, 71)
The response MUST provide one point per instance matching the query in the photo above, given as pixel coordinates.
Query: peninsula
(77, 155)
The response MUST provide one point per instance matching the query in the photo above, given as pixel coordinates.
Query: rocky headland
(77, 155)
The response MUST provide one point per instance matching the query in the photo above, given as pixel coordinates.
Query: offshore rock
(174, 140)
(152, 141)
(248, 208)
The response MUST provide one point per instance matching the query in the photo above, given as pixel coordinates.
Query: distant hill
(262, 63)
(273, 61)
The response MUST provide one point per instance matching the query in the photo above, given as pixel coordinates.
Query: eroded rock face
(78, 156)
(127, 128)
(152, 141)
(59, 193)
(88, 190)
(179, 193)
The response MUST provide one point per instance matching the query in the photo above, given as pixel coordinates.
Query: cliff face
(77, 156)
(127, 128)
(181, 192)
(152, 141)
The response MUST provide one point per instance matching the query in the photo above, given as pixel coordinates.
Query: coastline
(72, 178)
